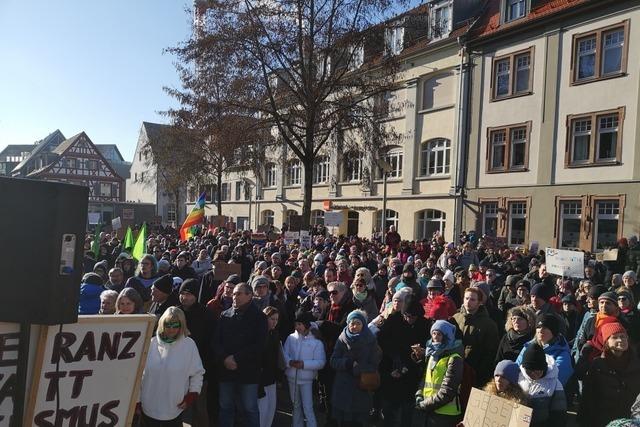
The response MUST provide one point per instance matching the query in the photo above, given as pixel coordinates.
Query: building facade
(554, 123)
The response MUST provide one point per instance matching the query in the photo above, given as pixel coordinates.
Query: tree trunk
(177, 200)
(219, 193)
(308, 193)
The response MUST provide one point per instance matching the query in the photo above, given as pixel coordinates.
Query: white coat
(310, 350)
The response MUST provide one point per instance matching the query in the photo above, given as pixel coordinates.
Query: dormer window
(440, 20)
(357, 57)
(515, 9)
(394, 40)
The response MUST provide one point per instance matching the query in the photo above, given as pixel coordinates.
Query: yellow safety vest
(432, 382)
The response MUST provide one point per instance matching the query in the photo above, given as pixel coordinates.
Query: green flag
(95, 247)
(139, 249)
(127, 244)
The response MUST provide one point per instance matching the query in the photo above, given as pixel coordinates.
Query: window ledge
(591, 165)
(597, 79)
(517, 95)
(381, 181)
(320, 184)
(291, 187)
(354, 182)
(433, 177)
(434, 109)
(390, 118)
(508, 171)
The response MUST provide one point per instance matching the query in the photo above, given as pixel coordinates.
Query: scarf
(361, 296)
(435, 351)
(165, 339)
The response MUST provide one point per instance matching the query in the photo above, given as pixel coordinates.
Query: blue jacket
(89, 298)
(559, 350)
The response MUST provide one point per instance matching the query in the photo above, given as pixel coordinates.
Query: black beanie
(164, 283)
(305, 318)
(596, 291)
(534, 358)
(190, 285)
(550, 322)
(92, 279)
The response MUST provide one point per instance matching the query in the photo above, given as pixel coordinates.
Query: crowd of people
(372, 330)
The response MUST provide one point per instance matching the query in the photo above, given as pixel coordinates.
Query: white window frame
(239, 187)
(495, 143)
(489, 211)
(317, 217)
(268, 217)
(171, 212)
(270, 175)
(439, 150)
(225, 191)
(394, 39)
(520, 214)
(586, 128)
(509, 7)
(429, 216)
(514, 142)
(106, 186)
(289, 214)
(70, 163)
(436, 28)
(357, 57)
(583, 53)
(353, 163)
(393, 156)
(615, 118)
(612, 212)
(294, 173)
(569, 209)
(391, 217)
(321, 169)
(618, 45)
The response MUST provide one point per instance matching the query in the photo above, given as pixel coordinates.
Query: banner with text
(9, 342)
(565, 263)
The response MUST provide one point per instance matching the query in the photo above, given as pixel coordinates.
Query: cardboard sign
(565, 263)
(222, 270)
(333, 218)
(9, 342)
(607, 255)
(291, 237)
(305, 239)
(116, 223)
(218, 220)
(485, 409)
(93, 368)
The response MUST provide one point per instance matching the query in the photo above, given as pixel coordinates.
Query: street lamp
(386, 168)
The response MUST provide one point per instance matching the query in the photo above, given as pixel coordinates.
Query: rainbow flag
(196, 216)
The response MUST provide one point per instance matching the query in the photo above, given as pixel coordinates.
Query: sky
(82, 65)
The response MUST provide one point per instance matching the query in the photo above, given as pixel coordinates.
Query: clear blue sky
(83, 65)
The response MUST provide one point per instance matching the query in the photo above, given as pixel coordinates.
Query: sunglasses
(622, 298)
(333, 292)
(172, 325)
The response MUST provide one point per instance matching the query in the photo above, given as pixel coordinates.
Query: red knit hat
(609, 329)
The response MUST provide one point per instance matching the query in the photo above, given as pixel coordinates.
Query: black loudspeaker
(42, 230)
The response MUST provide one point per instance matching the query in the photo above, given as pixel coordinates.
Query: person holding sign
(172, 377)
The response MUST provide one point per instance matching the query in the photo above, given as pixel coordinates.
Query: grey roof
(122, 168)
(67, 143)
(15, 149)
(48, 143)
(103, 148)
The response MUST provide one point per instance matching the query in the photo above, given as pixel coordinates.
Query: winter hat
(610, 296)
(542, 291)
(435, 284)
(164, 265)
(190, 285)
(408, 268)
(305, 318)
(523, 284)
(507, 369)
(102, 264)
(550, 322)
(446, 329)
(234, 279)
(484, 287)
(323, 295)
(534, 358)
(402, 294)
(297, 274)
(596, 291)
(569, 299)
(415, 309)
(629, 273)
(177, 281)
(183, 254)
(92, 279)
(357, 315)
(519, 312)
(485, 263)
(261, 265)
(164, 283)
(259, 281)
(448, 276)
(609, 329)
(512, 280)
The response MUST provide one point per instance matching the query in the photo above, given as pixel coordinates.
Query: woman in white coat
(304, 356)
(172, 377)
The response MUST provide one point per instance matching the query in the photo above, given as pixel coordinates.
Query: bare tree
(317, 71)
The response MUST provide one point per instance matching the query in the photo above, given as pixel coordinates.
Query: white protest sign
(93, 368)
(485, 409)
(9, 341)
(94, 218)
(116, 223)
(291, 236)
(305, 239)
(332, 218)
(565, 263)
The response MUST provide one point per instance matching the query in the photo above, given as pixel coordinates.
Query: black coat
(511, 344)
(243, 334)
(201, 324)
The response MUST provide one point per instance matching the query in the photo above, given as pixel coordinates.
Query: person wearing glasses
(629, 312)
(363, 298)
(173, 374)
(146, 274)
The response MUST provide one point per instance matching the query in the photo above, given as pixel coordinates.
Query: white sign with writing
(116, 223)
(93, 368)
(565, 263)
(305, 239)
(291, 236)
(94, 218)
(333, 218)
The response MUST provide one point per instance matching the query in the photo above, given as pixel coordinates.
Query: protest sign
(259, 238)
(332, 218)
(92, 369)
(291, 236)
(94, 218)
(607, 255)
(116, 223)
(305, 239)
(222, 270)
(565, 263)
(485, 409)
(9, 342)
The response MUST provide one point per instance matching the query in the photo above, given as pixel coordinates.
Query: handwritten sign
(607, 255)
(291, 237)
(305, 239)
(93, 368)
(9, 341)
(333, 218)
(485, 409)
(565, 263)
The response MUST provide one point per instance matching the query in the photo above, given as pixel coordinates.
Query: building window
(393, 157)
(105, 189)
(440, 22)
(352, 167)
(570, 220)
(490, 219)
(595, 138)
(391, 219)
(517, 223)
(247, 191)
(225, 191)
(321, 170)
(600, 54)
(606, 224)
(515, 9)
(270, 175)
(512, 75)
(92, 164)
(435, 157)
(430, 221)
(267, 217)
(239, 186)
(508, 148)
(290, 213)
(357, 57)
(317, 217)
(293, 172)
(383, 103)
(171, 212)
(70, 162)
(394, 37)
